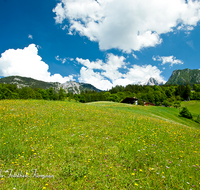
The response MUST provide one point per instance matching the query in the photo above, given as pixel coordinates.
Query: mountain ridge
(178, 77)
(68, 86)
(184, 76)
(151, 82)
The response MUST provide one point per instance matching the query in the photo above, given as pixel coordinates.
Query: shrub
(185, 113)
(140, 102)
(177, 104)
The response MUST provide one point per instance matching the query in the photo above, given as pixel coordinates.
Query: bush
(185, 113)
(177, 104)
(140, 102)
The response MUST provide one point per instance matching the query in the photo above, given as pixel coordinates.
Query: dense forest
(159, 95)
(10, 91)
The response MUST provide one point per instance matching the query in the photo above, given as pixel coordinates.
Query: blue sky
(101, 42)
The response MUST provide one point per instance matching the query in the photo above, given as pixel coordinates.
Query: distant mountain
(77, 88)
(151, 82)
(186, 76)
(69, 86)
(27, 82)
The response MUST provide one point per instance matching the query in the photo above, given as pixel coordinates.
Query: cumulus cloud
(167, 59)
(105, 75)
(27, 63)
(129, 24)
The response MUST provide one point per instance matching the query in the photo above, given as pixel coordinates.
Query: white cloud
(27, 63)
(60, 59)
(129, 24)
(108, 74)
(94, 78)
(30, 36)
(167, 59)
(39, 47)
(135, 56)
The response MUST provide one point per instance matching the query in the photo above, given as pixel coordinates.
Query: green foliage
(154, 94)
(185, 113)
(114, 98)
(51, 93)
(44, 94)
(166, 103)
(26, 93)
(82, 99)
(177, 104)
(196, 87)
(178, 98)
(195, 96)
(187, 92)
(168, 93)
(140, 102)
(183, 77)
(61, 94)
(158, 103)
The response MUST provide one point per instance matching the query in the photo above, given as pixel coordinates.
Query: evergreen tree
(185, 113)
(187, 92)
(51, 93)
(61, 94)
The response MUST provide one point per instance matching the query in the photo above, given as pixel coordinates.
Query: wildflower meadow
(68, 145)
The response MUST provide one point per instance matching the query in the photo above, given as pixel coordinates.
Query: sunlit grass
(193, 106)
(84, 146)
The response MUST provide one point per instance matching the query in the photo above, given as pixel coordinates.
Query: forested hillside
(159, 95)
(186, 76)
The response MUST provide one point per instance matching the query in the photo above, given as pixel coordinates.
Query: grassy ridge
(85, 146)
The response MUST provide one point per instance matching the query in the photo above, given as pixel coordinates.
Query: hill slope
(85, 146)
(183, 77)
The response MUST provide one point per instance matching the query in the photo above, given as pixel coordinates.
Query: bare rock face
(151, 82)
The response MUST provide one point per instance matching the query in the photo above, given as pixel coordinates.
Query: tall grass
(64, 145)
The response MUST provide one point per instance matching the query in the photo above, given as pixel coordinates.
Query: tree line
(11, 91)
(165, 95)
(159, 95)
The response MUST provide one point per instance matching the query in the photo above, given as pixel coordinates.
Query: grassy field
(67, 145)
(193, 107)
(163, 113)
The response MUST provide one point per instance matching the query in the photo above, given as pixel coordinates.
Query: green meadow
(193, 106)
(103, 145)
